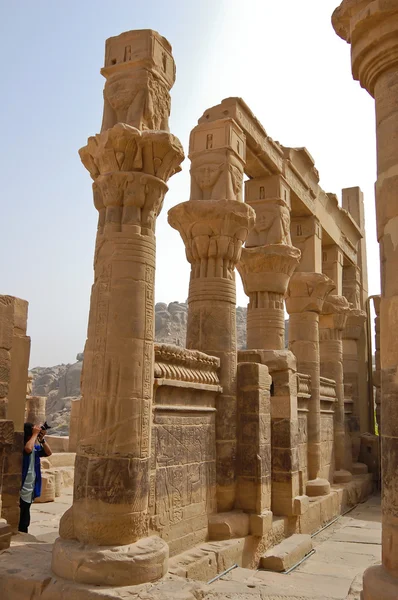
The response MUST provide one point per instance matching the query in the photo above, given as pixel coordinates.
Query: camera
(43, 429)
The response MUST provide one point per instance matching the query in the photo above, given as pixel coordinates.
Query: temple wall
(183, 464)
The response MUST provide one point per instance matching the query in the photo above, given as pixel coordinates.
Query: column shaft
(211, 328)
(371, 27)
(304, 343)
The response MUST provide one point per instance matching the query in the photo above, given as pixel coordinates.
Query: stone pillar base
(228, 525)
(378, 584)
(317, 487)
(342, 476)
(359, 468)
(142, 562)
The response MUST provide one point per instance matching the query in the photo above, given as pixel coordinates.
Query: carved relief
(137, 99)
(221, 179)
(213, 233)
(272, 225)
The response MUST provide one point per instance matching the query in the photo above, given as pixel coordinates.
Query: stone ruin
(185, 457)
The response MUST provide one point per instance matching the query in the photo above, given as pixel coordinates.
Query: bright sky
(282, 57)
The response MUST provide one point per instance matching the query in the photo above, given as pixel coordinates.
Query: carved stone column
(213, 225)
(377, 370)
(265, 273)
(74, 424)
(351, 335)
(36, 409)
(371, 27)
(110, 503)
(331, 324)
(307, 292)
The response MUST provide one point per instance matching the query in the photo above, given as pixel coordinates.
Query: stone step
(286, 554)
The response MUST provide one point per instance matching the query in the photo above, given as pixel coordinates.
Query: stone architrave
(371, 27)
(331, 324)
(130, 169)
(304, 303)
(214, 224)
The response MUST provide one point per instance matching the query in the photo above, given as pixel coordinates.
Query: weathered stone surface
(146, 560)
(286, 554)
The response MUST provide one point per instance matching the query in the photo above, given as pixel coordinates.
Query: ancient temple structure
(188, 460)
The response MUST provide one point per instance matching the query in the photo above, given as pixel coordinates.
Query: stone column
(332, 266)
(265, 273)
(35, 409)
(351, 365)
(214, 224)
(14, 361)
(371, 27)
(6, 442)
(377, 369)
(307, 292)
(110, 503)
(307, 236)
(331, 324)
(352, 201)
(74, 424)
(268, 262)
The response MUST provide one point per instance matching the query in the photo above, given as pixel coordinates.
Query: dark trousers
(24, 515)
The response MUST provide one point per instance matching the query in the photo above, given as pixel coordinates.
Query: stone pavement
(334, 572)
(45, 516)
(342, 552)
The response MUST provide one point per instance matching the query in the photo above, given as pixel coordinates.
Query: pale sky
(283, 58)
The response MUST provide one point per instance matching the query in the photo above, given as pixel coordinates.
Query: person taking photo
(35, 446)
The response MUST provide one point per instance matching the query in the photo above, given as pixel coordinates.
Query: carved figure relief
(272, 226)
(142, 101)
(220, 176)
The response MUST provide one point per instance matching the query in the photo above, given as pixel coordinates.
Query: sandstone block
(5, 535)
(286, 554)
(224, 526)
(300, 505)
(62, 459)
(47, 488)
(45, 463)
(260, 525)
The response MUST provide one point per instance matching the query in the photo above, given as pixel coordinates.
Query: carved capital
(371, 27)
(130, 169)
(307, 292)
(334, 314)
(355, 324)
(213, 233)
(268, 268)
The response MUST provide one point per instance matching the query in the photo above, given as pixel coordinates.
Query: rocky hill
(61, 383)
